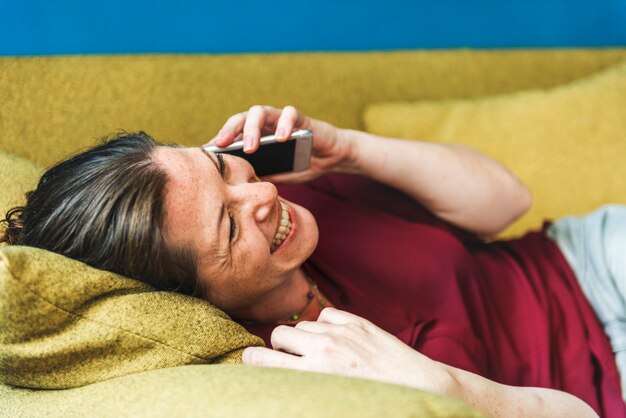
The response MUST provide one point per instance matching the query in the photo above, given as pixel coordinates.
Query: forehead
(192, 199)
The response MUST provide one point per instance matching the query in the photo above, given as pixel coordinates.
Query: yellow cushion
(64, 324)
(567, 143)
(17, 176)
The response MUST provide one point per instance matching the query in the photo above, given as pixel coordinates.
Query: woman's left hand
(346, 344)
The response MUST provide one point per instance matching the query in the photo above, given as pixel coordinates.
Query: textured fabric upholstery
(567, 143)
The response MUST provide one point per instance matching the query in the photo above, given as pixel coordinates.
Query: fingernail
(222, 133)
(280, 133)
(247, 143)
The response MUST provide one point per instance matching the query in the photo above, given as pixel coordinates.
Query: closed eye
(222, 165)
(233, 227)
(233, 223)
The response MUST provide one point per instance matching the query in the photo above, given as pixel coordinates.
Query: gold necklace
(313, 293)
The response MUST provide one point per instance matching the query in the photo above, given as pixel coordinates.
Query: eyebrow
(220, 220)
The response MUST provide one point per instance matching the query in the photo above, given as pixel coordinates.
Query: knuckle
(302, 324)
(325, 313)
(234, 121)
(356, 329)
(364, 323)
(256, 109)
(326, 343)
(278, 333)
(280, 329)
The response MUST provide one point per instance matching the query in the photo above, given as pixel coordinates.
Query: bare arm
(343, 343)
(499, 400)
(454, 182)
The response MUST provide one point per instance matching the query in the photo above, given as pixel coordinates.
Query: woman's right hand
(330, 150)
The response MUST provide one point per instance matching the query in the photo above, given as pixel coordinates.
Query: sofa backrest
(53, 106)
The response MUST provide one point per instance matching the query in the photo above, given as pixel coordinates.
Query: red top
(511, 311)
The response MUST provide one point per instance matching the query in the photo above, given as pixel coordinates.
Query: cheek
(255, 267)
(243, 276)
(252, 252)
(310, 232)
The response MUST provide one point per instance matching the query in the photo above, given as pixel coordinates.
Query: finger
(261, 356)
(338, 317)
(314, 327)
(252, 129)
(239, 137)
(230, 130)
(226, 142)
(292, 340)
(286, 123)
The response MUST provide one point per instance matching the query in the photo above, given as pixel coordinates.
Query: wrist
(419, 371)
(351, 143)
(440, 379)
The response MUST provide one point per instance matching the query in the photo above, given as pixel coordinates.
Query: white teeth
(283, 229)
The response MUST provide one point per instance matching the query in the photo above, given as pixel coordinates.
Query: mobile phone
(274, 157)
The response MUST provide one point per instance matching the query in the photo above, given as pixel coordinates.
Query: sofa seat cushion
(567, 143)
(230, 391)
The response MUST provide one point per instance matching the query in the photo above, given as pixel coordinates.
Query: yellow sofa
(53, 106)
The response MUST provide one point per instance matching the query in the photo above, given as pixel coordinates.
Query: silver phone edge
(302, 133)
(302, 154)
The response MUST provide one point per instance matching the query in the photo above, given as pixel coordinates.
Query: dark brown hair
(105, 207)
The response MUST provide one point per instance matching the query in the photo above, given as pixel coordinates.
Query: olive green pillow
(567, 143)
(17, 176)
(64, 324)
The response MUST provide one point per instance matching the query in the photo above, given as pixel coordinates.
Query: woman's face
(231, 221)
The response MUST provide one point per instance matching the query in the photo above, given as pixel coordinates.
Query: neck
(280, 303)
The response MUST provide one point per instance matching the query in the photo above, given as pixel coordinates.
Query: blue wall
(31, 27)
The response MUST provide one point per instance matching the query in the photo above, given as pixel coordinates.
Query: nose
(258, 198)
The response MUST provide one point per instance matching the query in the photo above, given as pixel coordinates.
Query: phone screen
(276, 157)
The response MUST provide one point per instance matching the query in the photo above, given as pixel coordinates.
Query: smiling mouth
(284, 227)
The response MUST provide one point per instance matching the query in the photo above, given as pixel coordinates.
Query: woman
(402, 244)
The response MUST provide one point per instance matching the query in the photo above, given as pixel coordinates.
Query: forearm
(406, 366)
(343, 343)
(456, 183)
(496, 400)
